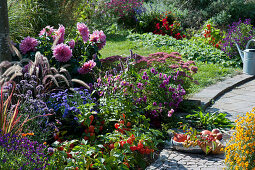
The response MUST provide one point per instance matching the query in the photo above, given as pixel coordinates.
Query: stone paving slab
(237, 101)
(170, 159)
(210, 94)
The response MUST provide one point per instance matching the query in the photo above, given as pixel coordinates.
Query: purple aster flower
(124, 83)
(165, 82)
(153, 70)
(160, 75)
(140, 85)
(28, 44)
(71, 44)
(162, 85)
(154, 104)
(145, 99)
(84, 31)
(62, 52)
(87, 67)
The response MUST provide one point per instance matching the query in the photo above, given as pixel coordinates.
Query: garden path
(234, 96)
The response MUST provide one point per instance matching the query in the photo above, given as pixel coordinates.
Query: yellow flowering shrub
(240, 151)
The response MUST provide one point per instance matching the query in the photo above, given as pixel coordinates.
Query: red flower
(91, 117)
(122, 143)
(101, 128)
(158, 26)
(125, 163)
(142, 151)
(91, 129)
(164, 20)
(111, 146)
(117, 125)
(133, 148)
(69, 155)
(61, 148)
(140, 145)
(129, 141)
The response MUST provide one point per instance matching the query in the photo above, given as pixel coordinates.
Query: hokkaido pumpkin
(180, 137)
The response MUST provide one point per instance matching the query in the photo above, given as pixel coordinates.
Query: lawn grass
(208, 74)
(123, 47)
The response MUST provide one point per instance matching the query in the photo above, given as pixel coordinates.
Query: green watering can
(248, 58)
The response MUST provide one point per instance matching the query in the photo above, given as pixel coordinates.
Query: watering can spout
(240, 52)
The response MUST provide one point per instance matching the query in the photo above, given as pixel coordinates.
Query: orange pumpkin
(180, 137)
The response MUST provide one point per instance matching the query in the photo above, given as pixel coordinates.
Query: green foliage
(28, 17)
(114, 150)
(194, 49)
(208, 120)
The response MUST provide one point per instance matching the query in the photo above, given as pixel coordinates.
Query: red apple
(215, 131)
(206, 132)
(219, 136)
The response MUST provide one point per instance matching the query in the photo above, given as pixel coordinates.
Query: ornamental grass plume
(28, 44)
(84, 31)
(241, 147)
(87, 67)
(62, 52)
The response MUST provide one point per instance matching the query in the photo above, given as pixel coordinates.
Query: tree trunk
(5, 53)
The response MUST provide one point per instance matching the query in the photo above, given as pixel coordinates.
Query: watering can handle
(247, 46)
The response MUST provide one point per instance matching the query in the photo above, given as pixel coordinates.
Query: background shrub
(28, 17)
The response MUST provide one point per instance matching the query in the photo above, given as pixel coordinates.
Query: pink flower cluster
(87, 67)
(51, 32)
(99, 38)
(84, 31)
(28, 44)
(60, 33)
(48, 31)
(62, 52)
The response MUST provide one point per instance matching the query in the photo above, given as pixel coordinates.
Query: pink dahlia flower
(28, 44)
(84, 31)
(60, 33)
(99, 38)
(62, 52)
(48, 30)
(71, 43)
(87, 67)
